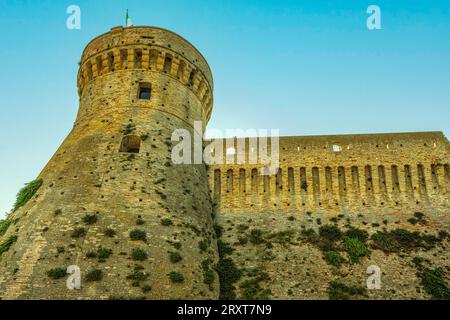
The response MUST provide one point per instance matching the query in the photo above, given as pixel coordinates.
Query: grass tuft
(176, 277)
(137, 235)
(26, 193)
(56, 273)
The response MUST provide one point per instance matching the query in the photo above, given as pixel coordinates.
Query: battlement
(148, 49)
(335, 172)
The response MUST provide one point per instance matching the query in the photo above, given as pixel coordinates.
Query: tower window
(144, 91)
(130, 144)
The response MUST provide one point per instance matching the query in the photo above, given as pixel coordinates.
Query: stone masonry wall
(272, 226)
(115, 166)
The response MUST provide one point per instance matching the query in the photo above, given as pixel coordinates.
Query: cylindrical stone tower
(112, 202)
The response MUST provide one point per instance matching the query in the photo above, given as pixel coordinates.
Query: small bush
(137, 235)
(355, 249)
(229, 274)
(330, 232)
(129, 129)
(176, 277)
(137, 276)
(56, 273)
(104, 253)
(78, 233)
(406, 238)
(166, 222)
(168, 164)
(339, 291)
(224, 248)
(419, 215)
(90, 219)
(242, 227)
(443, 234)
(146, 288)
(359, 234)
(110, 232)
(401, 239)
(434, 284)
(140, 222)
(161, 180)
(208, 274)
(175, 257)
(255, 236)
(91, 254)
(282, 237)
(26, 193)
(383, 241)
(242, 240)
(333, 258)
(309, 235)
(326, 242)
(219, 230)
(139, 254)
(177, 245)
(252, 290)
(203, 245)
(418, 218)
(5, 245)
(4, 225)
(208, 277)
(94, 275)
(57, 212)
(138, 267)
(205, 264)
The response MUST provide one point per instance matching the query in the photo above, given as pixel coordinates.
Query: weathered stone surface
(88, 175)
(116, 164)
(375, 182)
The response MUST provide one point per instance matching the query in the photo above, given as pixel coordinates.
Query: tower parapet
(149, 50)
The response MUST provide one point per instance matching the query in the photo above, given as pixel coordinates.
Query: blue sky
(305, 67)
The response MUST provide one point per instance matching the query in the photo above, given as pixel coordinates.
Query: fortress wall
(374, 183)
(340, 173)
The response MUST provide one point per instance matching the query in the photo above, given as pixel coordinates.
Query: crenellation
(136, 57)
(341, 172)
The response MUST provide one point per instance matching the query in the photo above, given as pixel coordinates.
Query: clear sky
(304, 67)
